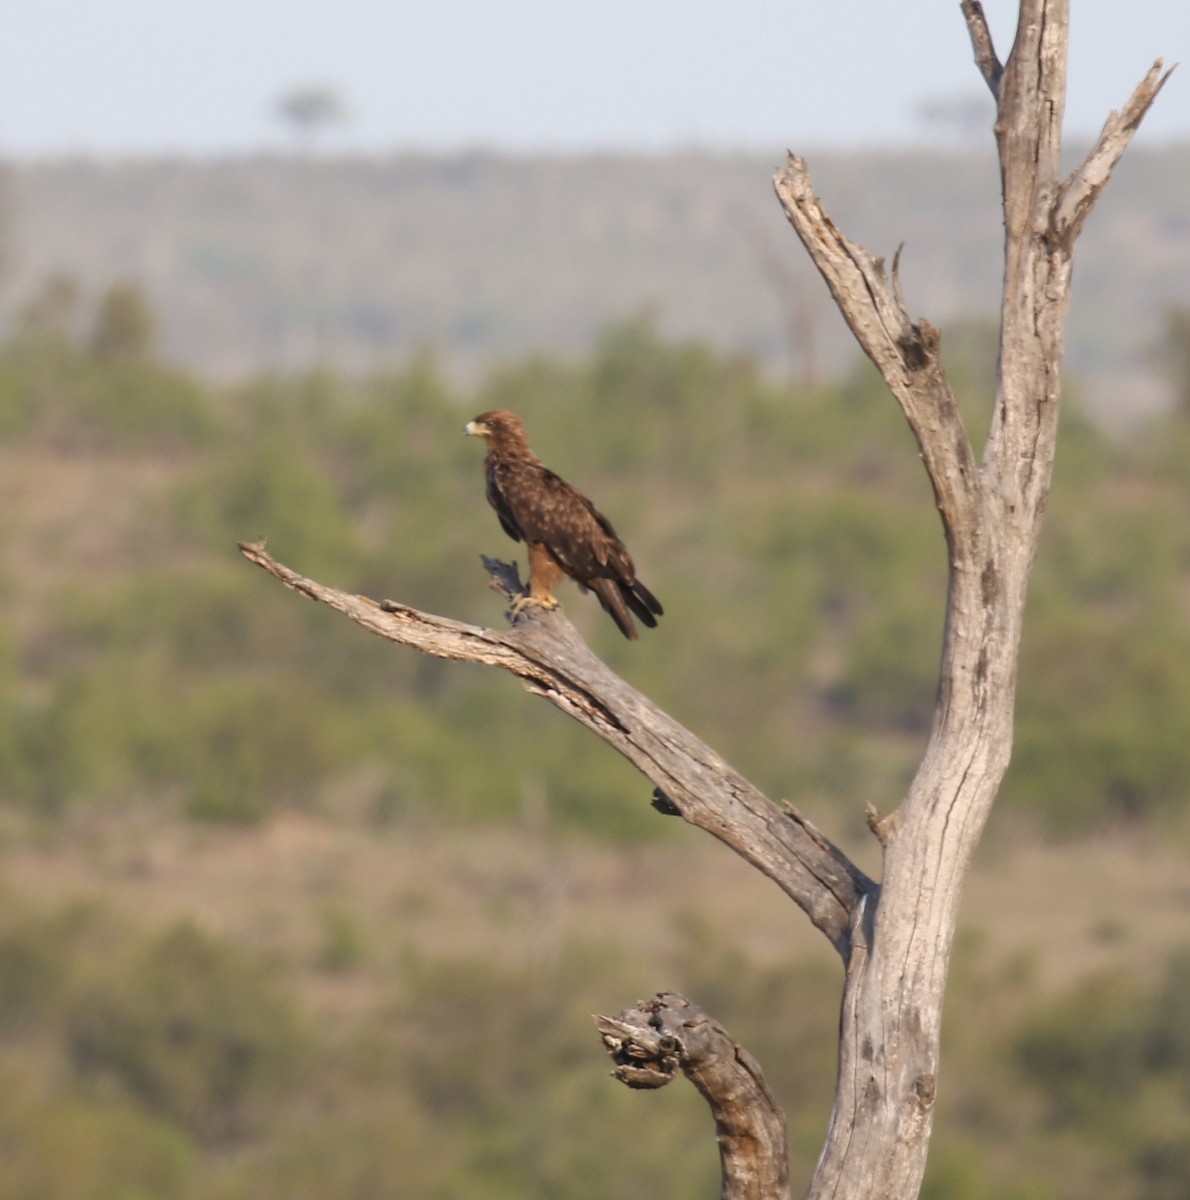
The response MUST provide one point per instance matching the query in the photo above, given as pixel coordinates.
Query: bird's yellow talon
(549, 603)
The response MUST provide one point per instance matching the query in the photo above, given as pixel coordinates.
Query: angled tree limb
(1082, 189)
(652, 1041)
(906, 352)
(545, 652)
(986, 59)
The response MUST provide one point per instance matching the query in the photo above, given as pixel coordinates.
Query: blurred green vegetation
(790, 534)
(177, 1064)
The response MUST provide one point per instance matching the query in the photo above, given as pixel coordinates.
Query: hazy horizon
(122, 79)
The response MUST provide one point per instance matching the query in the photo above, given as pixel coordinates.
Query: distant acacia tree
(125, 325)
(894, 935)
(959, 117)
(309, 109)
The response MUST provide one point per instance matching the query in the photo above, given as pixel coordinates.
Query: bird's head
(497, 428)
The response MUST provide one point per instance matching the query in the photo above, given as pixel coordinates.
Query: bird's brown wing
(535, 505)
(499, 477)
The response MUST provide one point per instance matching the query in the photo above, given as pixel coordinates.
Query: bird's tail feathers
(617, 598)
(643, 603)
(611, 597)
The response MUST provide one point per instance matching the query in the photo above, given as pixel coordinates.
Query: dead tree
(894, 936)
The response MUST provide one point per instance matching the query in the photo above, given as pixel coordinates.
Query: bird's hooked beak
(471, 429)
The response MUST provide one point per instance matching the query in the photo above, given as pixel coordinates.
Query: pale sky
(137, 77)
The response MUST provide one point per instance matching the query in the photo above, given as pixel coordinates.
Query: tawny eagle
(565, 533)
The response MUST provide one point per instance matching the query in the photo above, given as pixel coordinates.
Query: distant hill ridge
(283, 262)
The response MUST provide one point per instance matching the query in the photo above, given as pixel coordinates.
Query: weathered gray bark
(991, 512)
(650, 1042)
(894, 939)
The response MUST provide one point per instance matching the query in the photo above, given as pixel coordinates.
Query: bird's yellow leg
(544, 572)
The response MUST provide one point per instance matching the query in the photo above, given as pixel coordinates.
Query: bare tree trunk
(991, 513)
(894, 939)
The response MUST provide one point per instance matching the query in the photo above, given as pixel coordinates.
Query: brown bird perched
(566, 534)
